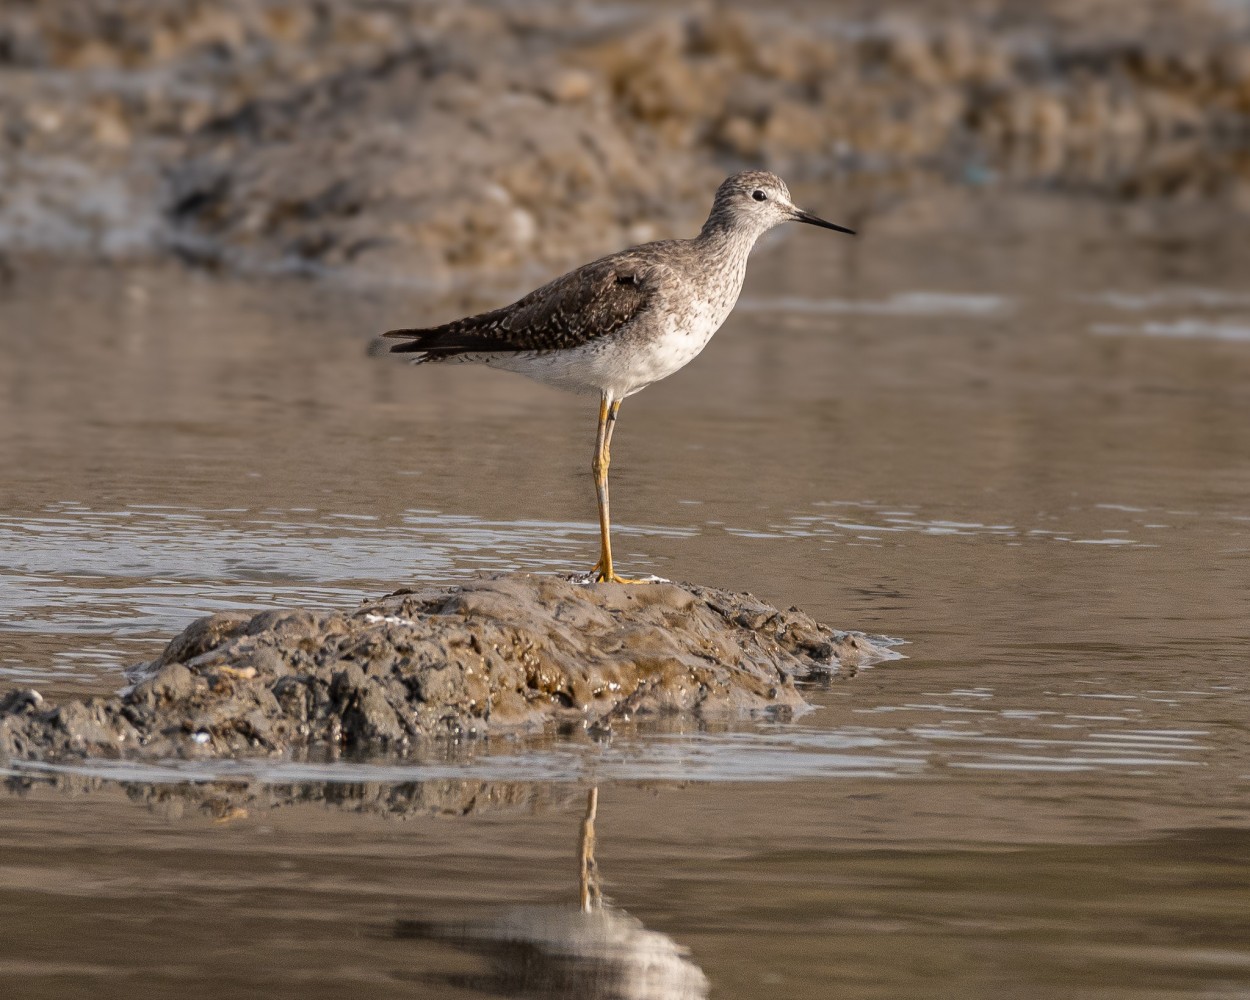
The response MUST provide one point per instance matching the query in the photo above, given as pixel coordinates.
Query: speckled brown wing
(597, 300)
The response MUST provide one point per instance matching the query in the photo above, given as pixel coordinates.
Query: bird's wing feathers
(594, 301)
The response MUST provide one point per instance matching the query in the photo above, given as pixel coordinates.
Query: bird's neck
(723, 242)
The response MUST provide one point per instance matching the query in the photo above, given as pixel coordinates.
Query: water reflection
(796, 890)
(240, 797)
(593, 950)
(921, 733)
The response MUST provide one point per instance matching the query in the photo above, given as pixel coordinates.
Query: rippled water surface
(1015, 435)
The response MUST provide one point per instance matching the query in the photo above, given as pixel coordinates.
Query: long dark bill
(815, 220)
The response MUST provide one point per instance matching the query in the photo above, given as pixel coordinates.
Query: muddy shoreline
(513, 653)
(422, 143)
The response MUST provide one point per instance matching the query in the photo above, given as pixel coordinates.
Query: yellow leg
(603, 572)
(613, 410)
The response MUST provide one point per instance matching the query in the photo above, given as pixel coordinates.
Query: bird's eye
(759, 196)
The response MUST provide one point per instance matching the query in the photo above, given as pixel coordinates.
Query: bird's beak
(815, 220)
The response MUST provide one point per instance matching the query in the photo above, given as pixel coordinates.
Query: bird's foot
(598, 575)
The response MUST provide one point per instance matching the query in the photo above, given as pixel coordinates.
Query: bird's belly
(620, 366)
(675, 347)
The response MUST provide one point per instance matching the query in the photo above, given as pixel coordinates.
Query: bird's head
(754, 201)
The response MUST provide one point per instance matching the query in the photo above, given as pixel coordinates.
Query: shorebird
(617, 324)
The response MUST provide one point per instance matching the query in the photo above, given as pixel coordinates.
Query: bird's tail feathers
(415, 340)
(421, 344)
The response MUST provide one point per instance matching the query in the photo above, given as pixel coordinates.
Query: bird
(616, 325)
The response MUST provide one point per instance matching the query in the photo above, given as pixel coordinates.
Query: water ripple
(916, 303)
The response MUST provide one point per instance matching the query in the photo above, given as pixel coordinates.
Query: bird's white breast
(677, 341)
(680, 332)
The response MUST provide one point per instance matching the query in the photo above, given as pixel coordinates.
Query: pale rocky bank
(420, 142)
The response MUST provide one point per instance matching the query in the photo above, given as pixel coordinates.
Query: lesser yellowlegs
(614, 326)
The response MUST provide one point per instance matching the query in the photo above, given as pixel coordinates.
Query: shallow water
(1016, 434)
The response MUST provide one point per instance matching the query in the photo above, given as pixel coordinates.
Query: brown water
(1016, 434)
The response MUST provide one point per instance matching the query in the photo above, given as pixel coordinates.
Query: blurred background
(434, 144)
(1009, 423)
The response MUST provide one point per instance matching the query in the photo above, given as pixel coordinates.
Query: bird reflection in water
(595, 951)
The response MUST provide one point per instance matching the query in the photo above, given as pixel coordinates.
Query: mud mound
(509, 653)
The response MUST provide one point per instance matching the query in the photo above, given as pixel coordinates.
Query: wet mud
(512, 653)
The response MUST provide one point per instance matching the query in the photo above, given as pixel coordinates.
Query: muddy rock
(511, 653)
